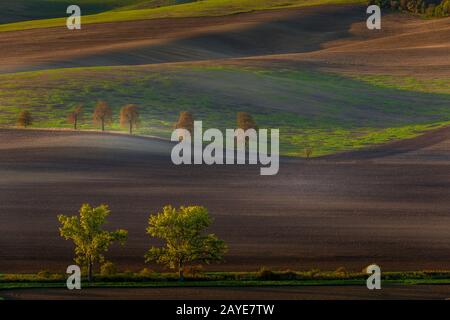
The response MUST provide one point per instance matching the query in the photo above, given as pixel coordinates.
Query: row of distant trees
(102, 115)
(243, 120)
(129, 117)
(182, 230)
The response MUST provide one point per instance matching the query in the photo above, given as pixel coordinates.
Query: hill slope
(328, 112)
(22, 10)
(395, 84)
(193, 9)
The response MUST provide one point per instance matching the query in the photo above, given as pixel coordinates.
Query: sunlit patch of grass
(436, 85)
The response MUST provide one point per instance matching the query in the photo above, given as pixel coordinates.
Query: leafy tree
(185, 121)
(25, 119)
(75, 116)
(182, 229)
(129, 116)
(245, 121)
(102, 114)
(90, 240)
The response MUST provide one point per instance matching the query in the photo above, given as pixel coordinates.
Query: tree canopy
(245, 121)
(75, 116)
(25, 119)
(102, 114)
(129, 116)
(182, 230)
(86, 231)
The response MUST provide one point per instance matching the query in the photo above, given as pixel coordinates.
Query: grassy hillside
(328, 112)
(194, 9)
(149, 4)
(22, 10)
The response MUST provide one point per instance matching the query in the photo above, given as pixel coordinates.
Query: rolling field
(293, 85)
(374, 106)
(22, 10)
(143, 10)
(327, 112)
(387, 205)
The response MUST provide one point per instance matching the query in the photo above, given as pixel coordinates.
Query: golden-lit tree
(25, 119)
(129, 116)
(245, 121)
(90, 240)
(183, 231)
(102, 114)
(75, 116)
(185, 121)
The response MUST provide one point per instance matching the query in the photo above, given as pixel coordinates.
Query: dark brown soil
(329, 37)
(386, 209)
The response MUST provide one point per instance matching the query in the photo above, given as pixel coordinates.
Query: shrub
(266, 274)
(288, 275)
(194, 271)
(146, 272)
(314, 273)
(44, 274)
(340, 272)
(108, 269)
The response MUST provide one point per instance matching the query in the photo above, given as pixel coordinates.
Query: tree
(102, 114)
(75, 116)
(308, 152)
(129, 116)
(245, 121)
(90, 240)
(185, 121)
(25, 119)
(182, 229)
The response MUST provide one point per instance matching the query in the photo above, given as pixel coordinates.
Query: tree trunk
(75, 124)
(103, 125)
(180, 271)
(131, 127)
(89, 271)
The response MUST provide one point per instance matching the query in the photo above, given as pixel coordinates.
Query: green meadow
(327, 112)
(145, 10)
